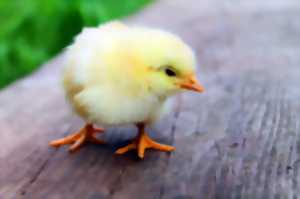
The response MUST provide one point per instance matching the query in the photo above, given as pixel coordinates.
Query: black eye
(170, 72)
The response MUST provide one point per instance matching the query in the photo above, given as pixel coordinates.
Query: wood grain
(240, 139)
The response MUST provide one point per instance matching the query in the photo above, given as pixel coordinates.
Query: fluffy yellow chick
(118, 75)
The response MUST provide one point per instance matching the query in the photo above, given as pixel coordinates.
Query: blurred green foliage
(32, 31)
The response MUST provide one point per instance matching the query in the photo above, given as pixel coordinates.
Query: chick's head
(166, 65)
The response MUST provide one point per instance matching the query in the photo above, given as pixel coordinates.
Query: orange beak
(191, 83)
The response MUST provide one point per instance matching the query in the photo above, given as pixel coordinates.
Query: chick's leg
(143, 142)
(87, 133)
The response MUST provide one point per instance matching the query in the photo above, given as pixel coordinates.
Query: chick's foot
(86, 134)
(143, 142)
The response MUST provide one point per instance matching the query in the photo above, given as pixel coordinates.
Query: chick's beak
(191, 83)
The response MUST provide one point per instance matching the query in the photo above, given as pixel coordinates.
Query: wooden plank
(238, 140)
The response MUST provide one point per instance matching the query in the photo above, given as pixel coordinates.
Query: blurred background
(33, 31)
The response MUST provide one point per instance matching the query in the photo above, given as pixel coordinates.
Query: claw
(87, 133)
(143, 142)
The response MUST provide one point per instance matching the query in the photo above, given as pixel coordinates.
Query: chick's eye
(170, 72)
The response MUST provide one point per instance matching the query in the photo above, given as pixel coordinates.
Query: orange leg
(87, 133)
(143, 142)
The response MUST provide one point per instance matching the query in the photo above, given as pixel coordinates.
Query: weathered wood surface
(241, 139)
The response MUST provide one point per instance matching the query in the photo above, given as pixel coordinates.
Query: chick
(117, 75)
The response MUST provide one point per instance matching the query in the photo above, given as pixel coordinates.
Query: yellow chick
(118, 75)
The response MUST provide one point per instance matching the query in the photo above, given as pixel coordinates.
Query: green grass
(32, 31)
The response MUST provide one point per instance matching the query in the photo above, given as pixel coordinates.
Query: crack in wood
(173, 129)
(36, 175)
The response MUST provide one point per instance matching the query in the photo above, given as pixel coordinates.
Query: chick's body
(106, 82)
(118, 75)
